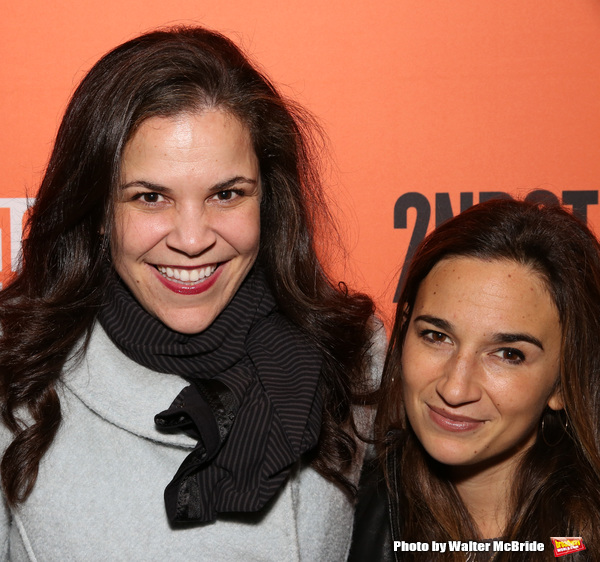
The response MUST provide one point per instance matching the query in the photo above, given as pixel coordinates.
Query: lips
(453, 422)
(188, 280)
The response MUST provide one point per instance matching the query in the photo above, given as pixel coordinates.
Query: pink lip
(188, 288)
(453, 422)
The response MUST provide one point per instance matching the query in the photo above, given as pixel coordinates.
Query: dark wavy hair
(557, 487)
(53, 300)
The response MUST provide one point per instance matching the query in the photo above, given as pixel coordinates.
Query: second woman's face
(480, 360)
(187, 216)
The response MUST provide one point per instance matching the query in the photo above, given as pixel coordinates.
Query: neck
(486, 489)
(486, 497)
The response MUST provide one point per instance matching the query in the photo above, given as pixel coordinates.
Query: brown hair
(53, 300)
(557, 490)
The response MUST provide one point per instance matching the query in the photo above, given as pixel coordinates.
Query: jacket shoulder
(372, 538)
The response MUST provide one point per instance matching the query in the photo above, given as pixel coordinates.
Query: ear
(556, 402)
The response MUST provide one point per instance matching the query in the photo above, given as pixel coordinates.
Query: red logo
(566, 545)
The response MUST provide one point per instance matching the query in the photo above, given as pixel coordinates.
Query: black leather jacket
(372, 537)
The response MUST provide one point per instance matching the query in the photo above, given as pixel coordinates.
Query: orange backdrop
(427, 103)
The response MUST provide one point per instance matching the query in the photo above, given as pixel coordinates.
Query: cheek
(243, 233)
(408, 382)
(118, 241)
(413, 380)
(523, 400)
(411, 393)
(416, 367)
(125, 232)
(252, 239)
(134, 234)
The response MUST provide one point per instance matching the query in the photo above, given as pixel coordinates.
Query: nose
(191, 231)
(459, 383)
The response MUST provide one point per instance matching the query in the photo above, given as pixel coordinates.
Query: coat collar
(121, 391)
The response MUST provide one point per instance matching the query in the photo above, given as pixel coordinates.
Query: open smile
(188, 280)
(187, 274)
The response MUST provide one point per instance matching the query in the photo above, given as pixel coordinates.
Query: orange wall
(417, 96)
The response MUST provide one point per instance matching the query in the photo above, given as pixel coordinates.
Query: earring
(565, 427)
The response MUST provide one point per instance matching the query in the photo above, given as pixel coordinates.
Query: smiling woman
(489, 418)
(177, 370)
(477, 389)
(187, 217)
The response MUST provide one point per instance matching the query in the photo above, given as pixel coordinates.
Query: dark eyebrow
(437, 322)
(222, 186)
(228, 184)
(514, 338)
(148, 185)
(446, 326)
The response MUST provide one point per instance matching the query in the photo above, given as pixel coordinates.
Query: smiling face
(480, 360)
(187, 216)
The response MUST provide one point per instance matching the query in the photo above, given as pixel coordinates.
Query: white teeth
(187, 275)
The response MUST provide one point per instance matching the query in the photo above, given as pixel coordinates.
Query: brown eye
(512, 355)
(228, 195)
(435, 337)
(150, 197)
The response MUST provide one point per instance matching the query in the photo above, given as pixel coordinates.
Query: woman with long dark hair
(171, 329)
(489, 420)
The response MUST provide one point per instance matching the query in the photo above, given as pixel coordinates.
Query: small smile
(453, 422)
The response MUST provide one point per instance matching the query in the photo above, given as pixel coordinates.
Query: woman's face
(480, 360)
(187, 216)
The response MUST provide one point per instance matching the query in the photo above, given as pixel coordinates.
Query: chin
(188, 323)
(452, 453)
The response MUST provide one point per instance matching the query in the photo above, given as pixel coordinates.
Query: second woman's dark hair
(557, 490)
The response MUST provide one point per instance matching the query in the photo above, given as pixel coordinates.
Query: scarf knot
(252, 404)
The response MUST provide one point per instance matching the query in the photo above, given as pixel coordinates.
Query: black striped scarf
(252, 403)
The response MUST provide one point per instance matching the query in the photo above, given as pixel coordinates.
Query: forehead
(208, 145)
(497, 294)
(187, 128)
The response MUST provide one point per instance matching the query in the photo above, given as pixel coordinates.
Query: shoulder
(323, 513)
(364, 415)
(377, 350)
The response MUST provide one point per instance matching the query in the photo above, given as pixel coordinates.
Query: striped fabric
(252, 403)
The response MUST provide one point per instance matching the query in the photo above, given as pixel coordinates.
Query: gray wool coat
(99, 493)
